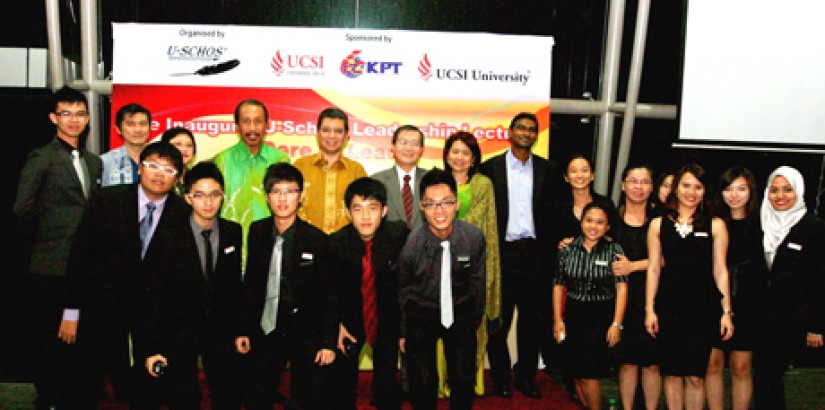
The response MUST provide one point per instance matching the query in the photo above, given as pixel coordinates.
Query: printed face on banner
(251, 126)
(332, 135)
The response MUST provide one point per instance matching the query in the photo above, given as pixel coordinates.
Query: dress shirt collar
(513, 162)
(143, 200)
(320, 162)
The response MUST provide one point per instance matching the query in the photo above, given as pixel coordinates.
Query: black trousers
(268, 358)
(51, 360)
(102, 351)
(177, 388)
(521, 284)
(423, 330)
(386, 389)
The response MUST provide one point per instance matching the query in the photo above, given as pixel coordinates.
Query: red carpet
(554, 397)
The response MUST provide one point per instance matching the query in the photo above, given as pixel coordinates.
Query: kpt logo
(353, 66)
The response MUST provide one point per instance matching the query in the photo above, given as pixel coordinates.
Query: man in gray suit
(407, 148)
(55, 185)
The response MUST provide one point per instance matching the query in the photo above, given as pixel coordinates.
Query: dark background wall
(577, 26)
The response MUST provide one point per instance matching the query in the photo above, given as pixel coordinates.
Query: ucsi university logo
(300, 64)
(425, 68)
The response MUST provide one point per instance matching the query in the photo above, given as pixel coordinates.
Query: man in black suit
(518, 177)
(367, 292)
(126, 233)
(287, 313)
(54, 188)
(189, 303)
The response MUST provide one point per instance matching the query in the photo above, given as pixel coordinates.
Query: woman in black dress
(687, 303)
(793, 245)
(637, 349)
(589, 304)
(738, 206)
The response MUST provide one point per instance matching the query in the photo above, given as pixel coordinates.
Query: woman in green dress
(462, 157)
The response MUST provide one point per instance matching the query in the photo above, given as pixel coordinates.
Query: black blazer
(348, 249)
(107, 277)
(307, 269)
(50, 204)
(183, 313)
(495, 168)
(797, 277)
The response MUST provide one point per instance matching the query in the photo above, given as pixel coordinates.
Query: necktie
(407, 196)
(146, 227)
(208, 265)
(273, 288)
(446, 295)
(368, 294)
(78, 167)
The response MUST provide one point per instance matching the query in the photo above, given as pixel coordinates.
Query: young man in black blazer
(287, 312)
(55, 185)
(188, 307)
(362, 322)
(126, 232)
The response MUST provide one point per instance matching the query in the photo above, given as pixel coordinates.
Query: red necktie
(368, 294)
(407, 196)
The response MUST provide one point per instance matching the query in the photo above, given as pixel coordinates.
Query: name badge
(307, 256)
(794, 246)
(701, 234)
(229, 249)
(463, 258)
(601, 263)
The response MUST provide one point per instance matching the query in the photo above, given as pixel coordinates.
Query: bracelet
(617, 324)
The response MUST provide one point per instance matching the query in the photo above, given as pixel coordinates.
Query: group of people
(147, 265)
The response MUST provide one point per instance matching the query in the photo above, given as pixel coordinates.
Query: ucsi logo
(280, 63)
(425, 68)
(353, 66)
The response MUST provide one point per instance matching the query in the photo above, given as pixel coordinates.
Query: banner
(194, 76)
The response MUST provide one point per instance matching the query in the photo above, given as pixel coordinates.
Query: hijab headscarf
(777, 224)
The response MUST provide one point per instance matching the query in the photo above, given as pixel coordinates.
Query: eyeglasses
(532, 130)
(447, 203)
(165, 170)
(69, 114)
(202, 196)
(285, 191)
(634, 181)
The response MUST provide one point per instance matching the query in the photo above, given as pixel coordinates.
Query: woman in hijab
(794, 246)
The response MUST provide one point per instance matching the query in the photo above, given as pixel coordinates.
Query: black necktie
(207, 243)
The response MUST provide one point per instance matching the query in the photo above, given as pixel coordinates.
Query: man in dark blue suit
(55, 185)
(126, 232)
(287, 313)
(189, 304)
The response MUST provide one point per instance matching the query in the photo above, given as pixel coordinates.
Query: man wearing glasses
(126, 232)
(120, 165)
(55, 185)
(287, 312)
(442, 278)
(188, 306)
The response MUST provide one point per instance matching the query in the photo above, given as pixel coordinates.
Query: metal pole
(89, 50)
(636, 63)
(587, 107)
(55, 48)
(610, 79)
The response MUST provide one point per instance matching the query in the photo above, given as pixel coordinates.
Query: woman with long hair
(794, 320)
(738, 205)
(462, 157)
(182, 139)
(637, 350)
(687, 302)
(664, 183)
(589, 304)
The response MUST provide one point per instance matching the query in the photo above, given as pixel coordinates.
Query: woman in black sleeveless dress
(687, 301)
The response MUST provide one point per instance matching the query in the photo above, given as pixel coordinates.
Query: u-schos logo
(353, 66)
